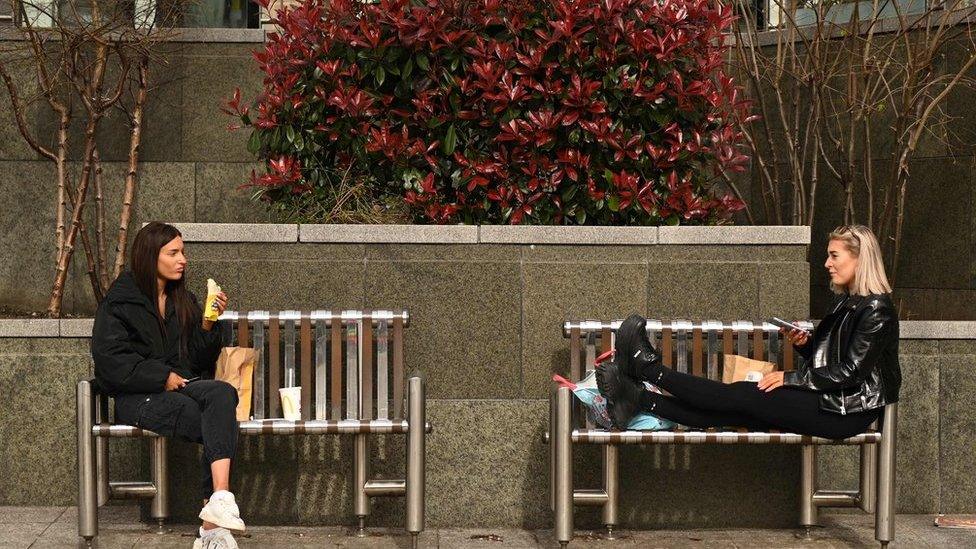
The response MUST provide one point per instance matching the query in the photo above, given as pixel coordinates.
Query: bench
(342, 361)
(697, 348)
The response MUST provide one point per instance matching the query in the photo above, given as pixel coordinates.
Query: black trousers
(203, 412)
(700, 402)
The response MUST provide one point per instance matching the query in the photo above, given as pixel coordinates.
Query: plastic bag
(596, 406)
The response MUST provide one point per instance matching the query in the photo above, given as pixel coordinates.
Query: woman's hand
(796, 337)
(175, 382)
(770, 381)
(220, 304)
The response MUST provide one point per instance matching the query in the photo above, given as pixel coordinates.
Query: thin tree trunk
(135, 140)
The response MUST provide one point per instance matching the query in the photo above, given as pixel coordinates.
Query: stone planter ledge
(82, 327)
(494, 234)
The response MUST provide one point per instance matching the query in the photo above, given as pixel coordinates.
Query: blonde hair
(869, 277)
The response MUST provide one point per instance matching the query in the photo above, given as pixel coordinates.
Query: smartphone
(192, 379)
(788, 325)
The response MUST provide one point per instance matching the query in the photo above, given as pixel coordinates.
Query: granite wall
(485, 330)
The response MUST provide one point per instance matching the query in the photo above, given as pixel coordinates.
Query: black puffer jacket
(131, 352)
(852, 357)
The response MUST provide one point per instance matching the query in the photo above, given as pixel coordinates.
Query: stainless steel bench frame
(876, 493)
(94, 429)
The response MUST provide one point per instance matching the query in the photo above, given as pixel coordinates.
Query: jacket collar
(125, 290)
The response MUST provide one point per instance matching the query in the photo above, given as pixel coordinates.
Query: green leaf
(407, 68)
(581, 216)
(254, 143)
(299, 142)
(290, 134)
(450, 140)
(608, 176)
(379, 75)
(423, 62)
(613, 202)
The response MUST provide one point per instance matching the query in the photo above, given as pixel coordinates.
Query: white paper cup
(291, 403)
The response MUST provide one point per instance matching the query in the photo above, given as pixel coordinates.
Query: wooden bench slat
(758, 352)
(697, 350)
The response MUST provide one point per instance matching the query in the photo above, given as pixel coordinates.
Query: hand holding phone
(788, 325)
(795, 334)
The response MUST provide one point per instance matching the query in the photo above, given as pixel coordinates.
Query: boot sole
(625, 336)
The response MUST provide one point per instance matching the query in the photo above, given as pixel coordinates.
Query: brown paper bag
(235, 365)
(736, 367)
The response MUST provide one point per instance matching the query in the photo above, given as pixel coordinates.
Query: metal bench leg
(563, 439)
(101, 451)
(159, 508)
(416, 459)
(869, 476)
(611, 463)
(360, 473)
(884, 518)
(87, 497)
(552, 450)
(808, 486)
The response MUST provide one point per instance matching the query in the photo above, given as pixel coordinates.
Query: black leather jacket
(852, 357)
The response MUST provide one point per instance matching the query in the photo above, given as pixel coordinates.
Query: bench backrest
(346, 362)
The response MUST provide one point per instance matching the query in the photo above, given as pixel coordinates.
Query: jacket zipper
(843, 408)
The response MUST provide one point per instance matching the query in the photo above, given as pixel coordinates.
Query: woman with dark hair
(155, 354)
(851, 369)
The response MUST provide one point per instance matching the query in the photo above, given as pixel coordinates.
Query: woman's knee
(218, 392)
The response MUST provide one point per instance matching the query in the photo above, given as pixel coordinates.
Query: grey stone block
(464, 323)
(402, 234)
(43, 385)
(560, 253)
(538, 234)
(735, 234)
(554, 293)
(784, 290)
(957, 430)
(210, 82)
(703, 291)
(220, 198)
(28, 244)
(28, 327)
(238, 232)
(442, 252)
(932, 260)
(299, 285)
(76, 327)
(937, 329)
(301, 252)
(727, 252)
(40, 346)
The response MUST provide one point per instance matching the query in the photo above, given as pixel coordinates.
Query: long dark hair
(145, 258)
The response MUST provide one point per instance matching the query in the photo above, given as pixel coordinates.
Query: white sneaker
(223, 512)
(218, 538)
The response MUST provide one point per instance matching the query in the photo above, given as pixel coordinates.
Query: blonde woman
(850, 370)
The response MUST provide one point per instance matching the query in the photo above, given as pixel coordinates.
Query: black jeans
(700, 402)
(203, 412)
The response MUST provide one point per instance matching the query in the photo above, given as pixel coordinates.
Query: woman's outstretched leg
(682, 413)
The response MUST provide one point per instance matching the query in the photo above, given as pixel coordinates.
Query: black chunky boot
(621, 392)
(634, 351)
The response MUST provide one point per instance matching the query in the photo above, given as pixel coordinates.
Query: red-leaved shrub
(598, 112)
